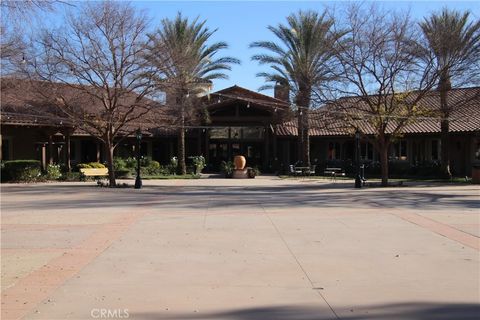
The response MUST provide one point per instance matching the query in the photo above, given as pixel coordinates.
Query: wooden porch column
(67, 151)
(98, 153)
(207, 147)
(267, 149)
(44, 157)
(275, 154)
(199, 142)
(50, 148)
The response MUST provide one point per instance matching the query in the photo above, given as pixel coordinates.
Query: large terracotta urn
(239, 162)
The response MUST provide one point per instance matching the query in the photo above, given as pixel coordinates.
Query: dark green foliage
(227, 168)
(21, 170)
(53, 172)
(72, 176)
(90, 165)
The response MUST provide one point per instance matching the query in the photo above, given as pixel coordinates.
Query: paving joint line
(298, 262)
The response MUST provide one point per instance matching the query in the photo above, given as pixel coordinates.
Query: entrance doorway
(219, 151)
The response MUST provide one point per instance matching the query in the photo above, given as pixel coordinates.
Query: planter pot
(239, 162)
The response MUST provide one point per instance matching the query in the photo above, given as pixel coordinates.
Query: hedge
(90, 165)
(21, 170)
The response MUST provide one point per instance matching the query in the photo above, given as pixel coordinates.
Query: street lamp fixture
(358, 179)
(138, 180)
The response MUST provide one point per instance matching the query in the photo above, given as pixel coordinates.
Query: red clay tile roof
(20, 105)
(31, 103)
(464, 116)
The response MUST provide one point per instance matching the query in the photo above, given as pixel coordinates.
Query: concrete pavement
(240, 249)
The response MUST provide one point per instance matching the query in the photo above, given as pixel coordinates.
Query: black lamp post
(138, 180)
(358, 179)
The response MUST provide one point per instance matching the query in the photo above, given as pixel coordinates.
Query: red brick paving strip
(441, 229)
(28, 292)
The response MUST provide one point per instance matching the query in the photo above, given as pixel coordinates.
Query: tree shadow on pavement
(241, 197)
(404, 311)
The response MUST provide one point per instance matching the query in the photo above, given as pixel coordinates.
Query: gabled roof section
(238, 93)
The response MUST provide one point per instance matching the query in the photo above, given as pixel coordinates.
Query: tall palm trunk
(182, 168)
(306, 138)
(300, 136)
(444, 87)
(303, 102)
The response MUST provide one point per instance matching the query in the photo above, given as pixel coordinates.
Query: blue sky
(240, 23)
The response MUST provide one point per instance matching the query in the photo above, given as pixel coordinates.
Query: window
(477, 150)
(366, 151)
(236, 133)
(400, 150)
(435, 150)
(219, 133)
(5, 149)
(252, 133)
(334, 151)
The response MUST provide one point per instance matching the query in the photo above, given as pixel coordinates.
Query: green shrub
(145, 161)
(227, 168)
(131, 163)
(97, 165)
(21, 170)
(72, 176)
(53, 172)
(90, 165)
(122, 173)
(119, 164)
(83, 166)
(199, 164)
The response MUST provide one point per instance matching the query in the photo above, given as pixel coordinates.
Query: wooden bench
(334, 173)
(94, 172)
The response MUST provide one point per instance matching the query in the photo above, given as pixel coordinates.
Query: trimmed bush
(83, 166)
(90, 165)
(119, 164)
(96, 165)
(198, 163)
(53, 172)
(122, 173)
(21, 170)
(72, 176)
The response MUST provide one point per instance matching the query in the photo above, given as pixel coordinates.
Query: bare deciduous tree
(16, 18)
(97, 56)
(381, 72)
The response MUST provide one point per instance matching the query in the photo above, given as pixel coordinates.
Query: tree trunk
(444, 86)
(384, 164)
(445, 148)
(300, 136)
(306, 139)
(182, 168)
(303, 103)
(111, 173)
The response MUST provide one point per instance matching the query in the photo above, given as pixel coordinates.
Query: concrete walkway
(240, 249)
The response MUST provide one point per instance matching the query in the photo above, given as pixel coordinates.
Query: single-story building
(239, 121)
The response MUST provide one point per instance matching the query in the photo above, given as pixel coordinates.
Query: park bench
(94, 172)
(334, 173)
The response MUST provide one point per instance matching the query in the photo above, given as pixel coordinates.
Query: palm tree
(300, 61)
(185, 65)
(455, 44)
